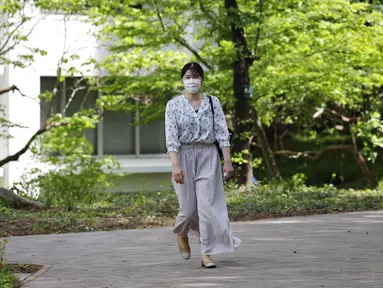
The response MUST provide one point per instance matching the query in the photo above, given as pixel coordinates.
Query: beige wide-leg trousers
(202, 203)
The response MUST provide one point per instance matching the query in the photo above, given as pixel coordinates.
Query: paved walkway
(342, 251)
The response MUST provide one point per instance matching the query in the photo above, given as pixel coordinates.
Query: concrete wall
(143, 182)
(4, 103)
(4, 99)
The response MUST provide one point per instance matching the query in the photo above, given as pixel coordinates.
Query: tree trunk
(362, 163)
(17, 201)
(380, 152)
(241, 82)
(241, 121)
(267, 153)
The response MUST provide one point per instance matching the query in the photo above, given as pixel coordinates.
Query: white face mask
(192, 85)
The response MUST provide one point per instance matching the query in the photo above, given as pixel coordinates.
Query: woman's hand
(178, 174)
(228, 169)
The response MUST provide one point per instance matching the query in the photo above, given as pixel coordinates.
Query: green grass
(7, 280)
(287, 199)
(143, 210)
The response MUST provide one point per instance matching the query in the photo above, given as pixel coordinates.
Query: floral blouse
(184, 125)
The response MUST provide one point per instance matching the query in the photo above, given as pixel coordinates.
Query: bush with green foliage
(274, 199)
(72, 175)
(7, 279)
(289, 199)
(75, 183)
(151, 209)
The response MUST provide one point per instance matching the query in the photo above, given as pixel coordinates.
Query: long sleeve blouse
(184, 125)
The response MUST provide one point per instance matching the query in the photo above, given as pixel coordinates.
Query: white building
(140, 150)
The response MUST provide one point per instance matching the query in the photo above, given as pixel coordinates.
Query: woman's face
(190, 74)
(192, 82)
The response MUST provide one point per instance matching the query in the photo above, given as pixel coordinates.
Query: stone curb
(36, 274)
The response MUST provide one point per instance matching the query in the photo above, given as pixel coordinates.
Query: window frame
(100, 130)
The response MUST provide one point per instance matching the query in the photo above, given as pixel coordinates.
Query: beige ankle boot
(207, 262)
(183, 246)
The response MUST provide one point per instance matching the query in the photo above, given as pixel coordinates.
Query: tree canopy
(299, 79)
(314, 66)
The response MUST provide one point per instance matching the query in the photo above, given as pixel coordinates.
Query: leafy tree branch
(179, 39)
(258, 36)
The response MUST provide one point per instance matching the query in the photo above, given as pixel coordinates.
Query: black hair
(194, 67)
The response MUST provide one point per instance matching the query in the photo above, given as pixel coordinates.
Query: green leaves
(320, 54)
(324, 50)
(370, 131)
(310, 55)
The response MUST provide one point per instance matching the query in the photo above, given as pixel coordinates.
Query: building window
(116, 133)
(148, 132)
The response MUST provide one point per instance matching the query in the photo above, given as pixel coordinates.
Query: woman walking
(191, 129)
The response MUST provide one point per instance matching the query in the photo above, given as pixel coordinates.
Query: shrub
(7, 279)
(275, 199)
(287, 197)
(78, 181)
(71, 174)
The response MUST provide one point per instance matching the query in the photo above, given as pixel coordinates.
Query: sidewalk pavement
(342, 251)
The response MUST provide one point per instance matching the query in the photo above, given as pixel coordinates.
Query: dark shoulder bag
(230, 131)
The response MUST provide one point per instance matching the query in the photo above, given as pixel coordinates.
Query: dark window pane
(78, 100)
(83, 99)
(118, 133)
(152, 138)
(47, 84)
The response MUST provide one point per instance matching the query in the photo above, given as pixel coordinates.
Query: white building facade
(141, 150)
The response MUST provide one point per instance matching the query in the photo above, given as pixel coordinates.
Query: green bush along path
(155, 209)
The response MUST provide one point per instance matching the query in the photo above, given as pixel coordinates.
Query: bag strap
(212, 108)
(212, 111)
